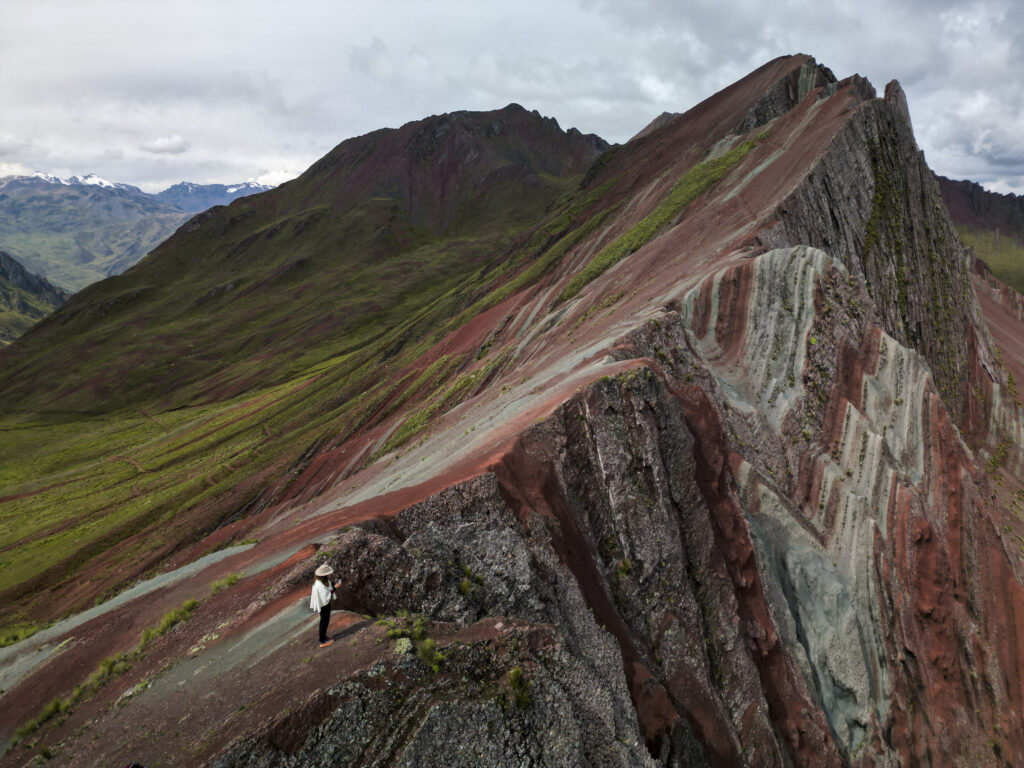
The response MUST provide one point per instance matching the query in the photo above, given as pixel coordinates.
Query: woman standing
(323, 594)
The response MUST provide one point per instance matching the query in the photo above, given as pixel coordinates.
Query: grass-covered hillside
(990, 223)
(158, 404)
(25, 299)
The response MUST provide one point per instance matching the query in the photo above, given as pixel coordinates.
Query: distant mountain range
(198, 197)
(75, 231)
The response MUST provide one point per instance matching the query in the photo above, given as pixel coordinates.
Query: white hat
(324, 570)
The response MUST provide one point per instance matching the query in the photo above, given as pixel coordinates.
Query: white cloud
(166, 145)
(14, 169)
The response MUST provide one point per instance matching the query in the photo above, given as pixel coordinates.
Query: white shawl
(321, 596)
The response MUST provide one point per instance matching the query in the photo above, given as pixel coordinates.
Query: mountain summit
(700, 450)
(89, 180)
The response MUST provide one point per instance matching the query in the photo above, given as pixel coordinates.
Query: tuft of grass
(404, 625)
(410, 632)
(13, 635)
(520, 687)
(688, 188)
(228, 581)
(176, 616)
(171, 619)
(426, 650)
(51, 710)
(623, 568)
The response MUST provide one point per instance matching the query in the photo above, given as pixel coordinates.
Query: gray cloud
(11, 145)
(261, 89)
(165, 145)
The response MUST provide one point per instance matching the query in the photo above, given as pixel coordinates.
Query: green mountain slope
(159, 403)
(25, 299)
(1003, 253)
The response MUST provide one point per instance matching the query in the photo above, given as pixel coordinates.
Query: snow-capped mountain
(186, 195)
(89, 180)
(198, 197)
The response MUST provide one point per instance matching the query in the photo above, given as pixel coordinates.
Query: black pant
(325, 619)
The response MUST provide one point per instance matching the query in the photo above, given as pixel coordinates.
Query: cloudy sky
(161, 91)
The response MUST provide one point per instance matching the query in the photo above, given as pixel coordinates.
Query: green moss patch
(688, 188)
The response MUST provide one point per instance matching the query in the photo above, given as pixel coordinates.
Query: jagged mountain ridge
(79, 230)
(713, 501)
(971, 204)
(25, 298)
(991, 223)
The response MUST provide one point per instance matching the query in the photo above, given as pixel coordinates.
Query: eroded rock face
(609, 528)
(872, 203)
(971, 204)
(765, 544)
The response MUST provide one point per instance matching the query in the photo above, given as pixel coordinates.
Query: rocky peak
(439, 167)
(663, 119)
(789, 91)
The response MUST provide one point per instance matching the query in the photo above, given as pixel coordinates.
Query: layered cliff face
(731, 481)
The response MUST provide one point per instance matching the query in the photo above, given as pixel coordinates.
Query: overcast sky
(158, 91)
